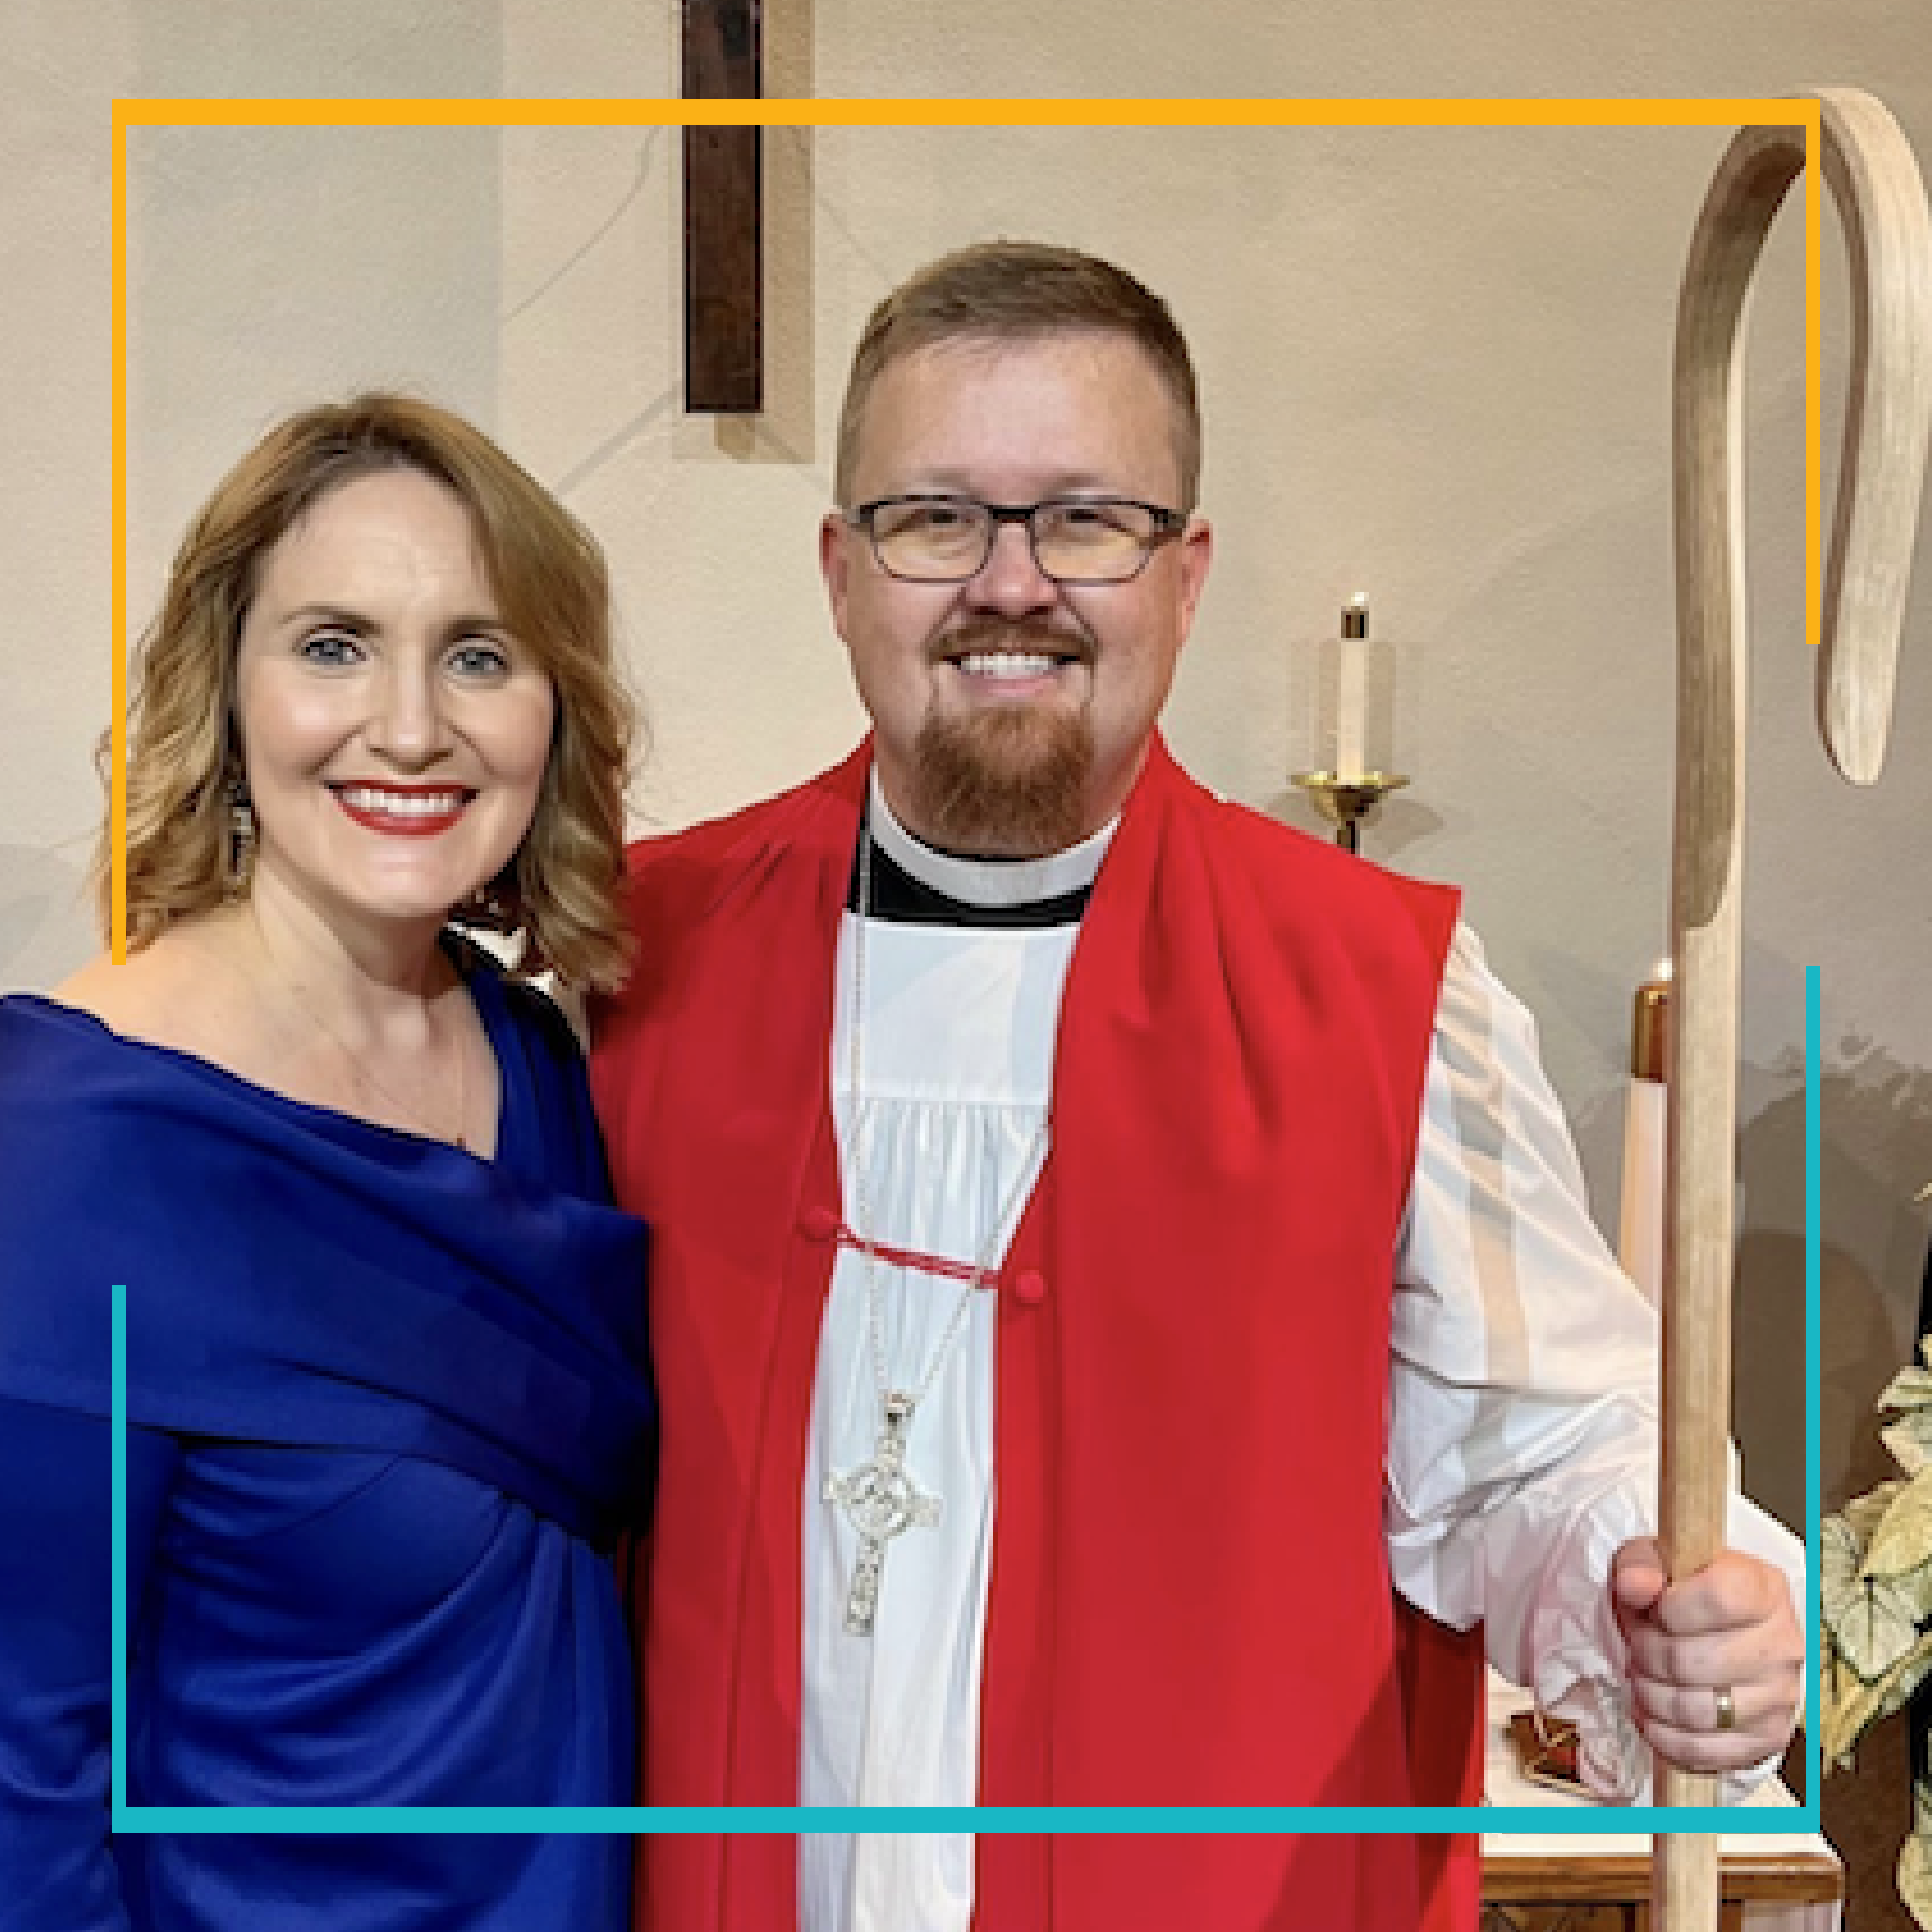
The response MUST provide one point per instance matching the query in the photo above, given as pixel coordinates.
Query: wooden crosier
(1880, 199)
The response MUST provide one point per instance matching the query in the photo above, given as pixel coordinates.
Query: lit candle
(1351, 690)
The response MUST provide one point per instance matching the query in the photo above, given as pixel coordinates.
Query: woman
(386, 1373)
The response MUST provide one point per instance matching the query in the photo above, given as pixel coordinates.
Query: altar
(1592, 1881)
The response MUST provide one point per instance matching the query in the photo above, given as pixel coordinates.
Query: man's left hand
(1717, 1661)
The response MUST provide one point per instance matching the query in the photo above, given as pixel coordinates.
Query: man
(1031, 1142)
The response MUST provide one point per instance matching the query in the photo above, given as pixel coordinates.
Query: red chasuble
(1190, 1601)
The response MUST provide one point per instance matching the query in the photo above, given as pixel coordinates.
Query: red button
(819, 1224)
(1030, 1288)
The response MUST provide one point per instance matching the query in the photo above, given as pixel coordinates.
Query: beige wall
(1434, 364)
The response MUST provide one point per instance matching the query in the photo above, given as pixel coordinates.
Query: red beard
(1006, 783)
(1009, 781)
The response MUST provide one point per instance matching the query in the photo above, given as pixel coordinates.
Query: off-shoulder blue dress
(390, 1413)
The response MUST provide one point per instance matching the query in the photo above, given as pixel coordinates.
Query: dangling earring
(239, 868)
(489, 904)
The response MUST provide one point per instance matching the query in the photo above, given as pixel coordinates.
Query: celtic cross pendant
(881, 1500)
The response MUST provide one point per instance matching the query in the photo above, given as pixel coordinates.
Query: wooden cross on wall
(724, 216)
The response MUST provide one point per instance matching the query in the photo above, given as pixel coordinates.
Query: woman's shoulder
(126, 996)
(173, 992)
(92, 1013)
(95, 1056)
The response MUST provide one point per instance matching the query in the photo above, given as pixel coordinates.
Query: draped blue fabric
(389, 1410)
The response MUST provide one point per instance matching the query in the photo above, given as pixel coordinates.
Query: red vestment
(1190, 1601)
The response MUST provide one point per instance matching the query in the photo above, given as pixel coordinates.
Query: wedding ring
(1727, 1710)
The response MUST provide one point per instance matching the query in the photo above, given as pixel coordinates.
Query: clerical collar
(913, 883)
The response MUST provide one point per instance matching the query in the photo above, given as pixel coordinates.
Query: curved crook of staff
(1882, 205)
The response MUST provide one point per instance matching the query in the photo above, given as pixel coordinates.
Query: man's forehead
(1031, 396)
(971, 359)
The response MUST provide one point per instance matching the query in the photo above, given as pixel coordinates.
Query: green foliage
(1875, 1589)
(1901, 1543)
(1914, 1877)
(1872, 1620)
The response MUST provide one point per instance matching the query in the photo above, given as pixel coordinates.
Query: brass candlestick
(1356, 706)
(1346, 802)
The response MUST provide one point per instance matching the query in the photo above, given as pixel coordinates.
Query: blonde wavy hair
(562, 891)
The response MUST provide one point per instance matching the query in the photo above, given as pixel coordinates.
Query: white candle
(1351, 690)
(1641, 1229)
(1640, 1243)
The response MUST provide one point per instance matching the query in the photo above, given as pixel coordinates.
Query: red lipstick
(409, 811)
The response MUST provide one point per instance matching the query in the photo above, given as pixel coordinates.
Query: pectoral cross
(723, 224)
(882, 1501)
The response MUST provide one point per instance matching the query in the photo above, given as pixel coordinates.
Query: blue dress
(389, 1414)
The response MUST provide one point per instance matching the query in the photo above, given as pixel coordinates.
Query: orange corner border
(1787, 111)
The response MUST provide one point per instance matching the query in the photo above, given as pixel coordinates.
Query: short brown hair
(1009, 291)
(562, 890)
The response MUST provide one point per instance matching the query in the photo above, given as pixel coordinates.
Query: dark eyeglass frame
(1168, 524)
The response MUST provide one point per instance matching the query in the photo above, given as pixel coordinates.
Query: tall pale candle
(1640, 1229)
(1351, 690)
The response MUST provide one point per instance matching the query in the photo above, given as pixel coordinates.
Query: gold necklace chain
(417, 1122)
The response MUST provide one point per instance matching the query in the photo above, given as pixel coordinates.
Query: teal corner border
(1814, 1354)
(623, 1820)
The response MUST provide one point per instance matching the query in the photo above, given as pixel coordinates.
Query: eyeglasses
(1074, 539)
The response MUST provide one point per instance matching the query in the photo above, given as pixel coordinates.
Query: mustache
(1003, 634)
